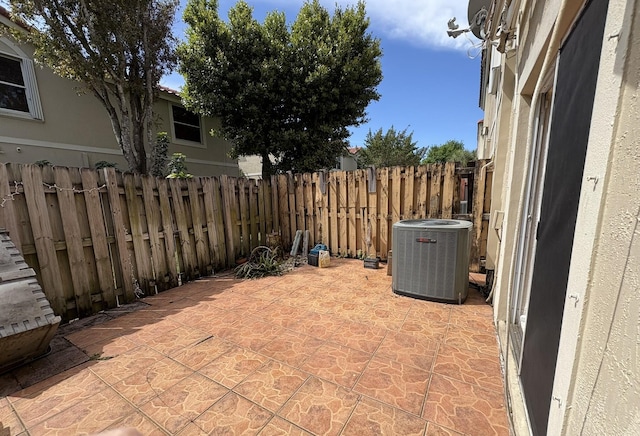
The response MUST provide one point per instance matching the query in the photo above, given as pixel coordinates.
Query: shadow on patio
(316, 351)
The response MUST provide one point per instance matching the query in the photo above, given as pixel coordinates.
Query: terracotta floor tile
(176, 340)
(436, 430)
(272, 293)
(466, 408)
(93, 334)
(373, 418)
(408, 349)
(483, 342)
(279, 427)
(336, 363)
(191, 430)
(320, 407)
(431, 330)
(50, 365)
(271, 385)
(291, 348)
(169, 419)
(197, 315)
(429, 311)
(42, 401)
(251, 333)
(386, 318)
(199, 354)
(9, 422)
(122, 366)
(317, 325)
(398, 304)
(152, 330)
(233, 366)
(233, 415)
(359, 336)
(192, 395)
(109, 347)
(394, 383)
(143, 385)
(229, 300)
(281, 314)
(469, 366)
(91, 415)
(481, 323)
(141, 423)
(31, 391)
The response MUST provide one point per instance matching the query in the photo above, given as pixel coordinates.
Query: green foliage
(263, 262)
(279, 90)
(159, 155)
(178, 167)
(43, 163)
(390, 149)
(117, 50)
(104, 164)
(450, 151)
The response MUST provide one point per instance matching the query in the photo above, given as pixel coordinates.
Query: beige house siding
(75, 129)
(596, 387)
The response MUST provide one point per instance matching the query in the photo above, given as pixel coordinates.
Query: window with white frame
(186, 125)
(18, 91)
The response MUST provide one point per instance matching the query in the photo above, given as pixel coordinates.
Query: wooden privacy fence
(97, 238)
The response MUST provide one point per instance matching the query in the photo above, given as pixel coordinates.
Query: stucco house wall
(73, 129)
(596, 386)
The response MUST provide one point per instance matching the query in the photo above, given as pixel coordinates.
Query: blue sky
(430, 83)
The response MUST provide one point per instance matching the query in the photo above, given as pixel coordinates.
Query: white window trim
(184, 142)
(30, 84)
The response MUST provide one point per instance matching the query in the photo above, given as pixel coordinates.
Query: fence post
(7, 211)
(448, 189)
(479, 176)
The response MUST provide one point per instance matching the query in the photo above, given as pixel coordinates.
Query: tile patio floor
(316, 351)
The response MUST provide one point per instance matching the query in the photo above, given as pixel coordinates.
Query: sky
(430, 81)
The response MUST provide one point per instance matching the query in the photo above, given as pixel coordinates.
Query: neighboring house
(42, 117)
(251, 166)
(349, 160)
(560, 92)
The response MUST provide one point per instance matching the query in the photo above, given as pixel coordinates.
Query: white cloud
(422, 22)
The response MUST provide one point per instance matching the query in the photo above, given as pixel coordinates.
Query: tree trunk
(267, 166)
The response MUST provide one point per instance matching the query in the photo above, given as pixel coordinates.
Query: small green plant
(263, 262)
(178, 168)
(159, 155)
(43, 163)
(104, 164)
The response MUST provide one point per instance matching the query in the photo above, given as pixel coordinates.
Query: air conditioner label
(426, 240)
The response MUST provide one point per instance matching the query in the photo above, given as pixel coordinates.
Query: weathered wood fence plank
(119, 230)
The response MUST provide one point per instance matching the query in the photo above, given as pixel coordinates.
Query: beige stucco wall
(601, 383)
(76, 130)
(597, 384)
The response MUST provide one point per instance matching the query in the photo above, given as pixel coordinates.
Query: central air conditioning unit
(431, 259)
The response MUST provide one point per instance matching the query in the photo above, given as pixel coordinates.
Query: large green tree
(390, 149)
(286, 93)
(117, 49)
(450, 151)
